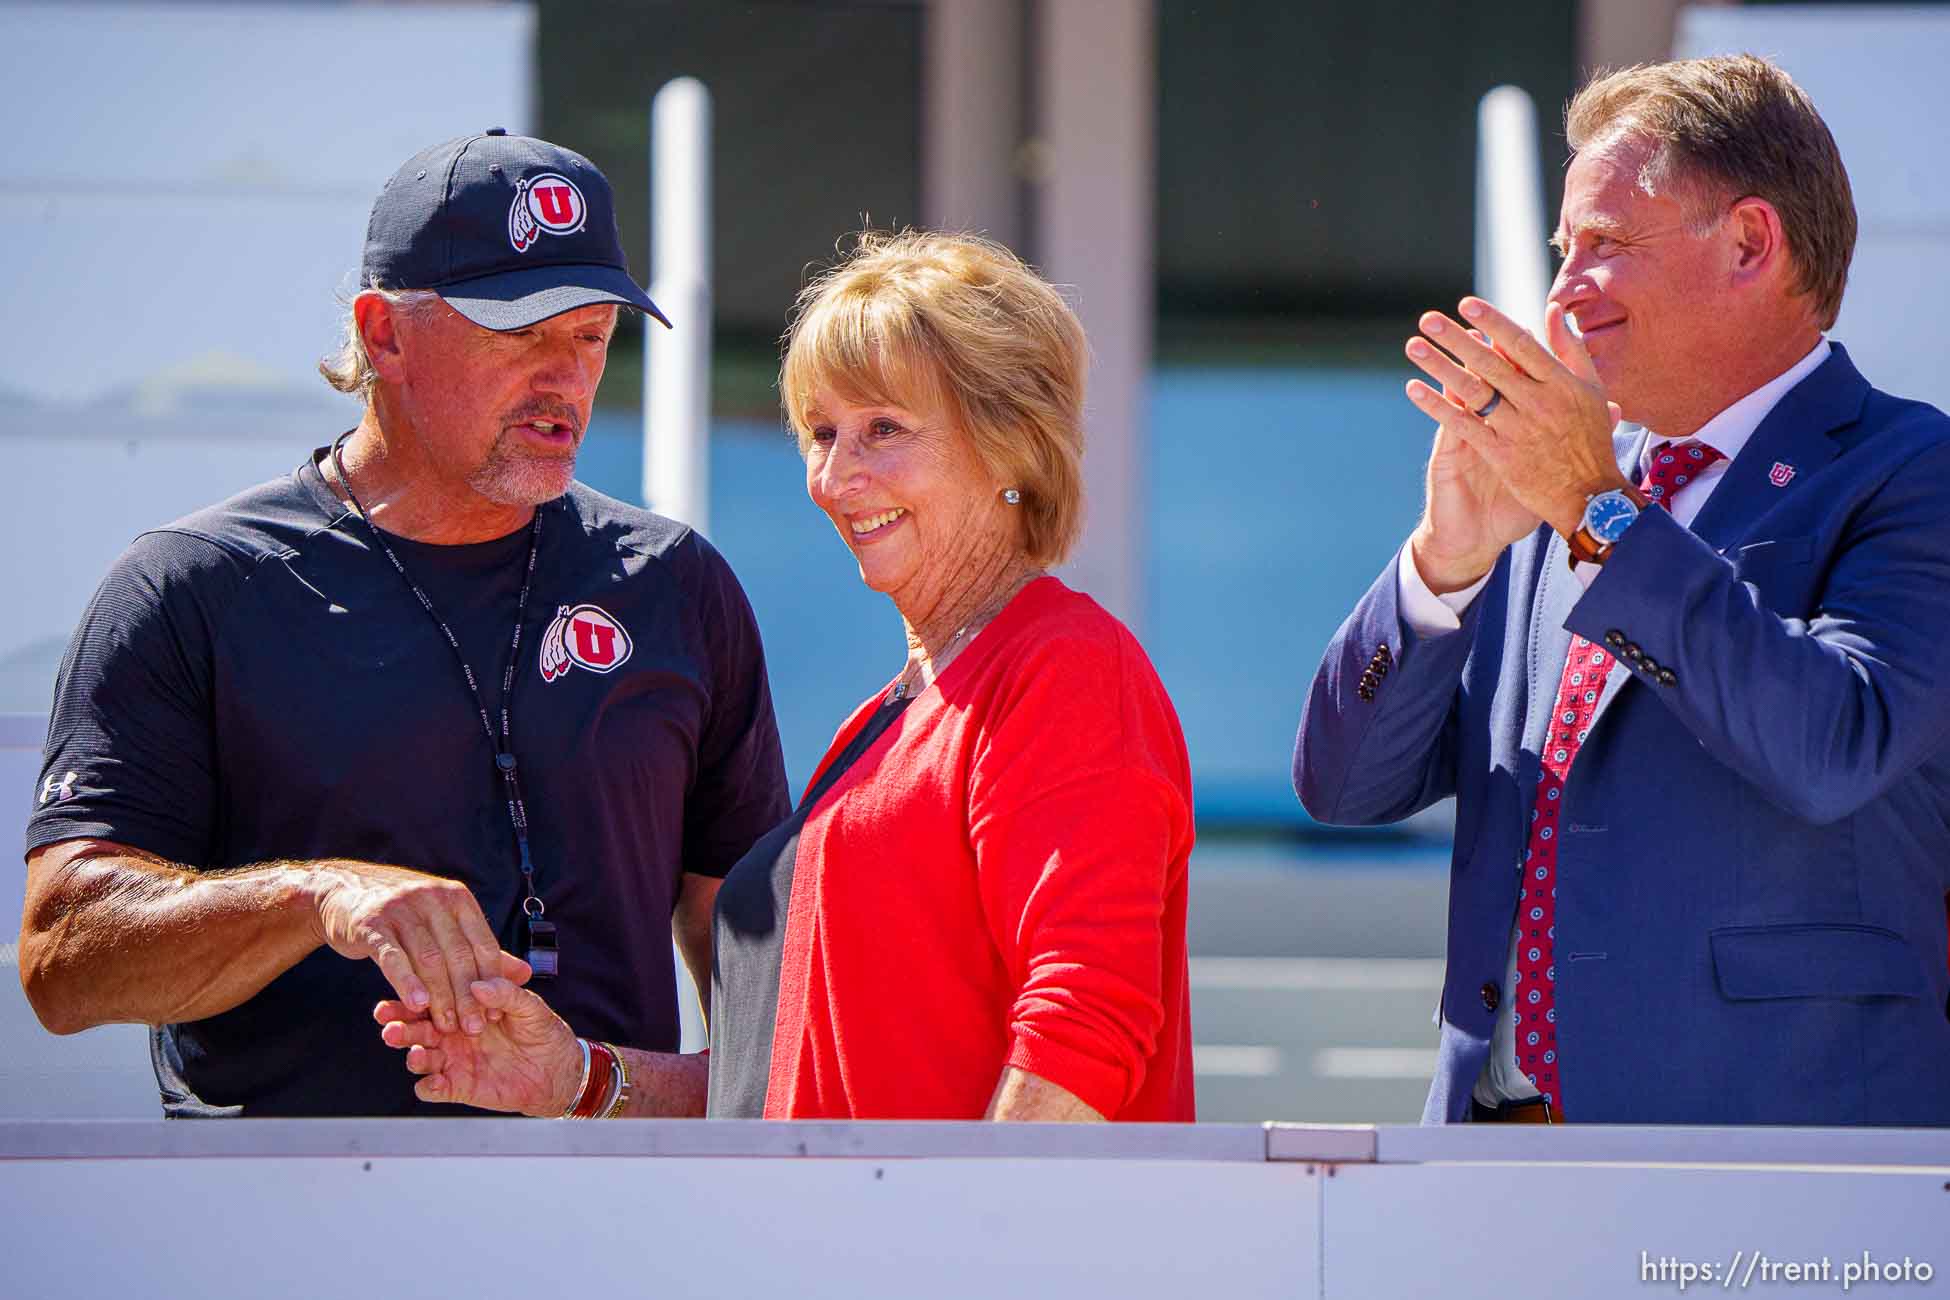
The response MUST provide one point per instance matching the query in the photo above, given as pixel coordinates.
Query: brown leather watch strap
(1586, 549)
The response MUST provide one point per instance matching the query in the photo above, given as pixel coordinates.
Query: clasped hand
(1538, 455)
(470, 1031)
(526, 1060)
(425, 933)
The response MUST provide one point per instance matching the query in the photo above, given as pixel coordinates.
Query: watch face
(1608, 515)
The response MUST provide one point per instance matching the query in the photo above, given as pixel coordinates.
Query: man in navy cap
(423, 711)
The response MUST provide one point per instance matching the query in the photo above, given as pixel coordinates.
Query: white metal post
(677, 361)
(972, 87)
(1512, 269)
(1097, 93)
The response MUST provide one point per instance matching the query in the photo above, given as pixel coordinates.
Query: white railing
(674, 1207)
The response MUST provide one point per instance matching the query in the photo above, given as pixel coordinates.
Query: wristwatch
(1606, 517)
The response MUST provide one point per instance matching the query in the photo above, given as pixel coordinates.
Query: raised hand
(526, 1060)
(426, 934)
(1469, 515)
(1548, 438)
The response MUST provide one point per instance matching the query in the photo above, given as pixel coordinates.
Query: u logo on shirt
(586, 636)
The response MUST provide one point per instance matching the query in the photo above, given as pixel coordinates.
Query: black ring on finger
(1483, 412)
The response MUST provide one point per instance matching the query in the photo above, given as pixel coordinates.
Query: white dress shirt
(1428, 614)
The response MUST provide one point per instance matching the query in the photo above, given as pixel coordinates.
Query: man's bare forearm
(109, 935)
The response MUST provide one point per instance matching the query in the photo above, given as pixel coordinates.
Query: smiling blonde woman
(978, 908)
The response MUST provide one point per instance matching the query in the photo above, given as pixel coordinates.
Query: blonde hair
(958, 324)
(348, 368)
(1734, 127)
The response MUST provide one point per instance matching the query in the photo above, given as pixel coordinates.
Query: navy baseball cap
(508, 229)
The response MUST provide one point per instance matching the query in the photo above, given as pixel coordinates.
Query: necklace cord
(502, 745)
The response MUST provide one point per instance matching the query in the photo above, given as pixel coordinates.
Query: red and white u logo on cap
(548, 202)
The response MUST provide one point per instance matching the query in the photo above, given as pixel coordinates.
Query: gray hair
(347, 368)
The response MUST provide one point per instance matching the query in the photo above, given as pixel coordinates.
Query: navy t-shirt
(255, 682)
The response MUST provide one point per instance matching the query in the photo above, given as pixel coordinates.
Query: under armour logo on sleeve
(59, 787)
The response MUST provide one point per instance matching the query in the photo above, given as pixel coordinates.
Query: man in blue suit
(1689, 682)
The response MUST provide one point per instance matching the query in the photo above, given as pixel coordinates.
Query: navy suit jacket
(1755, 844)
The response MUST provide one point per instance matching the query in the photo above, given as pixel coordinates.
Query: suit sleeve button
(1614, 638)
(1365, 692)
(1650, 665)
(1668, 678)
(1631, 652)
(1491, 996)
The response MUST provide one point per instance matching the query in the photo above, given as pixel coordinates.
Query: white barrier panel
(186, 179)
(1605, 1230)
(187, 188)
(663, 1207)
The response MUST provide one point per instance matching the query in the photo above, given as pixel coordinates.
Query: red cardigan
(999, 880)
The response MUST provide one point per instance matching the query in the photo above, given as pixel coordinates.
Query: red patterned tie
(1577, 700)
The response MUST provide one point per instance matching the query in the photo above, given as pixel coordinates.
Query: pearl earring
(1012, 496)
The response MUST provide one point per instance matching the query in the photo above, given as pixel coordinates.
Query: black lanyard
(541, 933)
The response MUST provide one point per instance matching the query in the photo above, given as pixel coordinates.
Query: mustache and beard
(514, 474)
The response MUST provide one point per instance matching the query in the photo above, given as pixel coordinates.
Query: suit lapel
(1787, 448)
(1794, 434)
